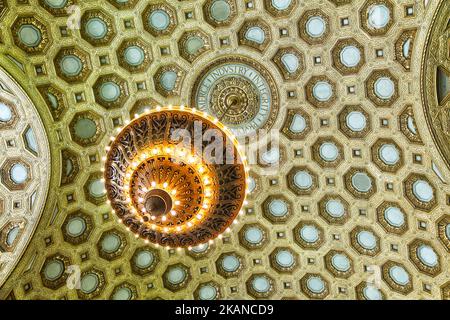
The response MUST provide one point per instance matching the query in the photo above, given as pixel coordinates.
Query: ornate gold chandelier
(163, 184)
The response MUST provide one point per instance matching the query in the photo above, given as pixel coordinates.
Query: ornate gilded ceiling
(352, 203)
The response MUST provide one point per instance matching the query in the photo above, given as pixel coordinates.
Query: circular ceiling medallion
(171, 186)
(240, 92)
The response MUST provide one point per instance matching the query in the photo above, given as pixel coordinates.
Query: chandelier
(175, 177)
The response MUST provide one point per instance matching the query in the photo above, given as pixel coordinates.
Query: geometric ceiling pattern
(353, 203)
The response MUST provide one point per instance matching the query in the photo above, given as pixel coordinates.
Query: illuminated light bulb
(128, 229)
(127, 121)
(220, 236)
(147, 110)
(235, 222)
(207, 194)
(113, 211)
(119, 221)
(112, 138)
(119, 129)
(158, 108)
(247, 191)
(135, 164)
(191, 159)
(178, 228)
(215, 120)
(102, 169)
(173, 192)
(153, 227)
(189, 248)
(177, 202)
(211, 242)
(157, 245)
(108, 202)
(102, 180)
(169, 150)
(165, 184)
(107, 148)
(144, 210)
(153, 217)
(194, 110)
(164, 218)
(140, 200)
(241, 212)
(245, 202)
(155, 151)
(182, 107)
(201, 169)
(249, 180)
(166, 230)
(228, 230)
(205, 206)
(145, 189)
(206, 181)
(141, 221)
(136, 115)
(136, 236)
(189, 224)
(178, 249)
(128, 175)
(103, 158)
(173, 213)
(153, 184)
(146, 241)
(199, 216)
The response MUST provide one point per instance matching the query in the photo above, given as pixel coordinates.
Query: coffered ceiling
(352, 204)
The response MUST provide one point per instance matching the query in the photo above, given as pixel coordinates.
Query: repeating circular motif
(348, 56)
(97, 27)
(176, 277)
(30, 34)
(377, 17)
(229, 264)
(369, 291)
(309, 235)
(159, 19)
(392, 217)
(365, 241)
(314, 26)
(207, 291)
(253, 236)
(397, 277)
(334, 209)
(220, 13)
(314, 286)
(260, 286)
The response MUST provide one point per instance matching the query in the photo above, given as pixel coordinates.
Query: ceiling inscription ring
(240, 92)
